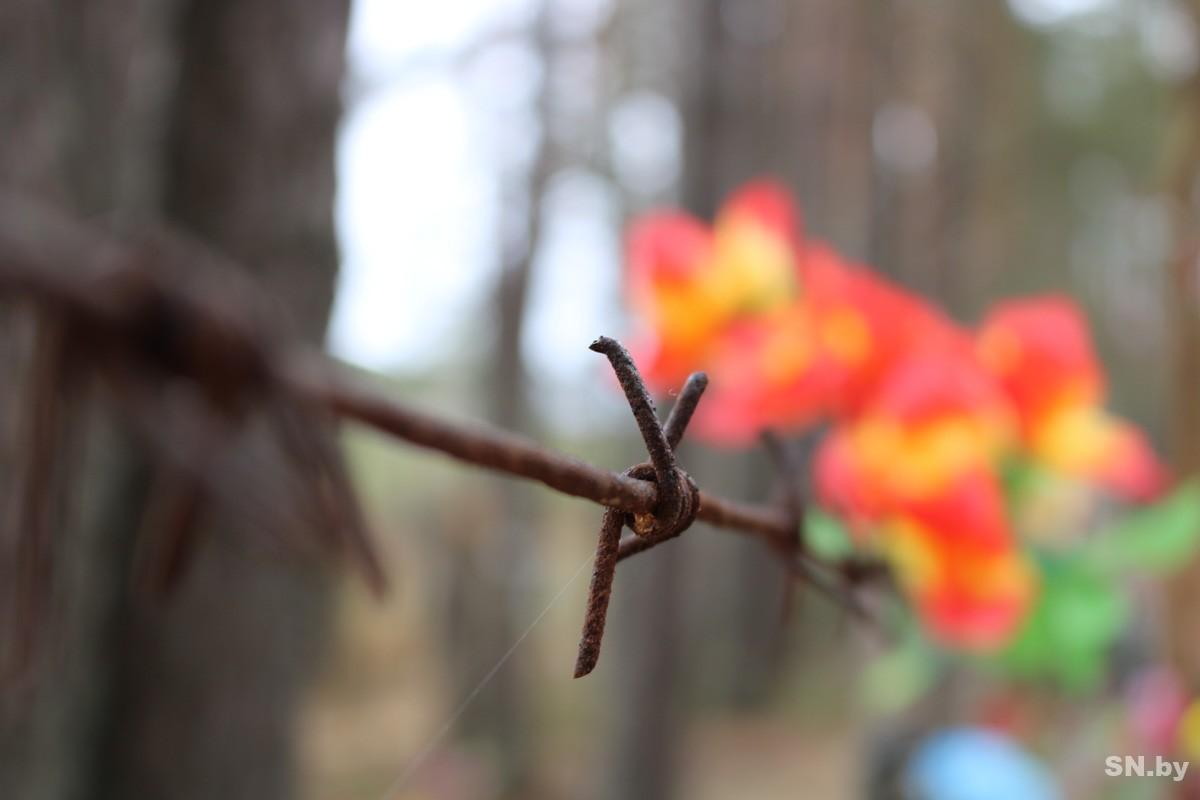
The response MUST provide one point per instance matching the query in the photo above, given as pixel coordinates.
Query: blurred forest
(968, 150)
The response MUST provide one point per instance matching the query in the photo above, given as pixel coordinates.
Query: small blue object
(976, 764)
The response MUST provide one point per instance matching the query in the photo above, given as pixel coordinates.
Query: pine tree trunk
(219, 117)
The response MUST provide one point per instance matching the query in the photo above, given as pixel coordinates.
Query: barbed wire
(146, 314)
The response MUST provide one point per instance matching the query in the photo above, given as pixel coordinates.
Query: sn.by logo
(1135, 766)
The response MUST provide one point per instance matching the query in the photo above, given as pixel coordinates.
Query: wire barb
(678, 495)
(662, 455)
(600, 592)
(684, 408)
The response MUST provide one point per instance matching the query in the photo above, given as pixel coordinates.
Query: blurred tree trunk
(218, 116)
(80, 103)
(1183, 308)
(760, 102)
(492, 574)
(952, 65)
(647, 670)
(754, 97)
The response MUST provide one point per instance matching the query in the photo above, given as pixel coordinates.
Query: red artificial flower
(915, 474)
(788, 330)
(824, 354)
(936, 418)
(689, 282)
(923, 412)
(968, 580)
(1040, 350)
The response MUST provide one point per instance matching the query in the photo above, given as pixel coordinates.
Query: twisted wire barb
(677, 501)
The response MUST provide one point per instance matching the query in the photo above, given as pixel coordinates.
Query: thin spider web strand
(423, 755)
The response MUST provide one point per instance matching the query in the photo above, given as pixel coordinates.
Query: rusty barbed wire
(678, 500)
(134, 314)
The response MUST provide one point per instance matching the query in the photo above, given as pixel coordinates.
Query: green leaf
(1019, 475)
(1067, 639)
(1158, 539)
(900, 677)
(826, 536)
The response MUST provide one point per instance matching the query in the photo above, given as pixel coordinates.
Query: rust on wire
(141, 321)
(348, 397)
(678, 498)
(603, 571)
(684, 408)
(662, 456)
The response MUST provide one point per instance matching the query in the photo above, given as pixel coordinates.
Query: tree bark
(1183, 311)
(82, 93)
(219, 117)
